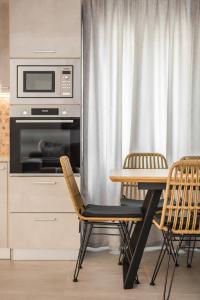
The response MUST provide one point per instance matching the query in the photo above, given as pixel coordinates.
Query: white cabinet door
(45, 28)
(3, 205)
(39, 194)
(4, 46)
(44, 231)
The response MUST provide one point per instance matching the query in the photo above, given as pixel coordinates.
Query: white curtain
(141, 83)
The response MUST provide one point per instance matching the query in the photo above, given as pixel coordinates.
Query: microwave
(45, 81)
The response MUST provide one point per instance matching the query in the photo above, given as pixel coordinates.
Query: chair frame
(180, 219)
(91, 223)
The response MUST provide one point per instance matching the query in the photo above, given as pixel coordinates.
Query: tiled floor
(100, 278)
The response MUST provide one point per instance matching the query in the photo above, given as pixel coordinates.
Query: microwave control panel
(67, 81)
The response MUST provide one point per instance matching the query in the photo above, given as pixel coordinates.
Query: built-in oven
(36, 143)
(45, 81)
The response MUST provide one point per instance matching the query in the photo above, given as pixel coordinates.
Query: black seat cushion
(93, 210)
(133, 203)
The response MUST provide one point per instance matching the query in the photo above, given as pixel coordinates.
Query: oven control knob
(64, 112)
(25, 112)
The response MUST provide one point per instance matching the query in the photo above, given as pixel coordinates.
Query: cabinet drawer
(39, 194)
(44, 231)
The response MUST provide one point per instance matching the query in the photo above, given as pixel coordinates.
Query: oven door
(36, 144)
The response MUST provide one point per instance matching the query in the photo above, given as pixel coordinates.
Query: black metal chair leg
(159, 262)
(77, 267)
(125, 233)
(122, 245)
(86, 244)
(168, 287)
(190, 255)
(126, 236)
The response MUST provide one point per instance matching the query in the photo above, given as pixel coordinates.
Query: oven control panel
(67, 81)
(27, 111)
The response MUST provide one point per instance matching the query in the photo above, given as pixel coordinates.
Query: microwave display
(39, 81)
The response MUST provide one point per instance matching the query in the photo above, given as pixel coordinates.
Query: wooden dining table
(154, 181)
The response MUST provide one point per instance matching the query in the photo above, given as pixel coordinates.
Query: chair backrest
(146, 160)
(190, 157)
(72, 185)
(181, 208)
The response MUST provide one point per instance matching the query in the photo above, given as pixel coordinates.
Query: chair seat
(133, 203)
(93, 210)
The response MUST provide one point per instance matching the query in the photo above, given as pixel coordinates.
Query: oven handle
(44, 121)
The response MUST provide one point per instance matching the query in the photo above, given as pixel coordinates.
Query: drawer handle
(46, 182)
(45, 219)
(2, 168)
(44, 51)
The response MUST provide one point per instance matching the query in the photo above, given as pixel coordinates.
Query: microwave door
(38, 82)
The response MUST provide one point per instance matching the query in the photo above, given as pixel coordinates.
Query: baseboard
(4, 253)
(43, 254)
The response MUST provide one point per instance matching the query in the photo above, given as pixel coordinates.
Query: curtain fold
(141, 87)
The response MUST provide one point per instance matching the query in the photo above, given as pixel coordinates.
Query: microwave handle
(44, 121)
(44, 51)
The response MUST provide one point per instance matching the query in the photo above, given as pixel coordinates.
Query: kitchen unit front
(42, 221)
(45, 97)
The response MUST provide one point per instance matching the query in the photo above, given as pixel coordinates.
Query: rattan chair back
(146, 160)
(72, 185)
(190, 157)
(181, 208)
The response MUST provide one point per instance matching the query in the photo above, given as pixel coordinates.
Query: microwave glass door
(43, 81)
(39, 81)
(37, 144)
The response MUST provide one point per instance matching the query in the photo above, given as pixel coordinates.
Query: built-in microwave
(45, 81)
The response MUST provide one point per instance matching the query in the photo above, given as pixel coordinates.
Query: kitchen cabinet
(42, 218)
(45, 29)
(40, 194)
(44, 231)
(4, 46)
(4, 250)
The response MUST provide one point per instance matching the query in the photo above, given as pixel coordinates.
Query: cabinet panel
(4, 46)
(44, 231)
(3, 205)
(39, 194)
(48, 28)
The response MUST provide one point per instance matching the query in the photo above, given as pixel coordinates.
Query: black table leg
(139, 238)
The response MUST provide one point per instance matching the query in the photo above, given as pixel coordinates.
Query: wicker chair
(180, 218)
(131, 196)
(97, 216)
(192, 241)
(129, 190)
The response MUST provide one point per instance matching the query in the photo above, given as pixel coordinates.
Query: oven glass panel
(36, 145)
(39, 81)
